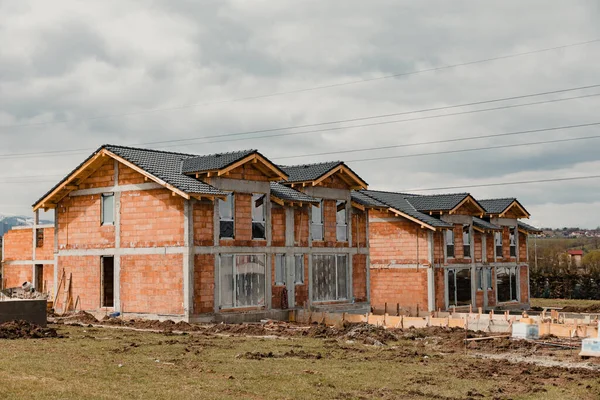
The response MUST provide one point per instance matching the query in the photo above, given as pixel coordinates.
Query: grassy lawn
(564, 303)
(104, 363)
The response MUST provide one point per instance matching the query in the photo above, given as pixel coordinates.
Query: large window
(259, 216)
(450, 243)
(513, 243)
(108, 209)
(330, 277)
(316, 225)
(242, 280)
(466, 241)
(280, 269)
(498, 240)
(459, 287)
(341, 223)
(226, 217)
(299, 269)
(506, 284)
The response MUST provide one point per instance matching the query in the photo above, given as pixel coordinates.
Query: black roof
(308, 172)
(485, 225)
(287, 193)
(212, 162)
(436, 202)
(363, 199)
(496, 206)
(529, 228)
(400, 202)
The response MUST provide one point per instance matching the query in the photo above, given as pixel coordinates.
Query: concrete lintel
(504, 221)
(278, 250)
(241, 186)
(327, 193)
(457, 219)
(28, 262)
(117, 189)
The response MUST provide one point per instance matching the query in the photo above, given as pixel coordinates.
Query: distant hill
(8, 221)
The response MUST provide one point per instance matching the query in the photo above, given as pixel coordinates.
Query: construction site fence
(552, 324)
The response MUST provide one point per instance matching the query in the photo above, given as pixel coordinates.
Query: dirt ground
(290, 361)
(567, 305)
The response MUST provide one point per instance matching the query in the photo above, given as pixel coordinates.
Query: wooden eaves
(469, 199)
(518, 205)
(259, 162)
(413, 219)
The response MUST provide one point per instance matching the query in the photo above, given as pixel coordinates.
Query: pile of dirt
(594, 308)
(81, 317)
(365, 333)
(256, 355)
(167, 325)
(25, 330)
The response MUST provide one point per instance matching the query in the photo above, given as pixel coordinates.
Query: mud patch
(255, 355)
(25, 330)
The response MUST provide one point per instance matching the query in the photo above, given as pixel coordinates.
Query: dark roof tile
(211, 162)
(288, 194)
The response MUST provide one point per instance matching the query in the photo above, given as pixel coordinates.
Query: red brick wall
(492, 293)
(408, 287)
(359, 228)
(151, 218)
(459, 256)
(276, 290)
(359, 277)
(438, 247)
(489, 245)
(302, 290)
(15, 275)
(440, 287)
(128, 176)
(396, 241)
(152, 283)
(46, 252)
(522, 247)
(102, 177)
(479, 298)
(203, 223)
(277, 225)
(18, 244)
(85, 282)
(48, 278)
(79, 224)
(524, 283)
(301, 225)
(243, 223)
(204, 283)
(477, 242)
(246, 172)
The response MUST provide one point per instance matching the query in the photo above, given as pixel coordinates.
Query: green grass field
(104, 363)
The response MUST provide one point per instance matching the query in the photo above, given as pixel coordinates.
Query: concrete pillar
(117, 256)
(430, 273)
(188, 258)
(36, 222)
(368, 262)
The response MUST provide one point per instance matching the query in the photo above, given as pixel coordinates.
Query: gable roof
(399, 202)
(499, 206)
(436, 202)
(528, 228)
(286, 193)
(366, 201)
(315, 172)
(162, 167)
(222, 162)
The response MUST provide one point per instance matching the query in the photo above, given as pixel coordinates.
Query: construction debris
(25, 330)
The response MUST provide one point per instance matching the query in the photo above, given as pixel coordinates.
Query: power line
(475, 149)
(574, 178)
(396, 75)
(460, 139)
(78, 151)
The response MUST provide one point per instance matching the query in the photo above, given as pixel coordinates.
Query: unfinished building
(448, 251)
(181, 236)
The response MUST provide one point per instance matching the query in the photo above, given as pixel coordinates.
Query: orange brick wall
(438, 247)
(85, 282)
(301, 224)
(79, 224)
(359, 228)
(152, 284)
(15, 275)
(246, 172)
(479, 298)
(440, 287)
(151, 218)
(359, 277)
(277, 225)
(396, 241)
(492, 293)
(407, 287)
(18, 244)
(102, 177)
(522, 247)
(524, 283)
(203, 224)
(276, 290)
(128, 176)
(46, 252)
(48, 278)
(489, 245)
(301, 291)
(204, 283)
(477, 242)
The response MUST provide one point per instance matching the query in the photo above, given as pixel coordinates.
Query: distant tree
(591, 262)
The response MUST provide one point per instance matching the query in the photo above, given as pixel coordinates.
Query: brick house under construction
(181, 236)
(432, 252)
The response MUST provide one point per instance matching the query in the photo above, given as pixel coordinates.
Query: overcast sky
(77, 61)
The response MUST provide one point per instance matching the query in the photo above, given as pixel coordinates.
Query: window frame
(479, 273)
(512, 234)
(453, 297)
(321, 224)
(281, 282)
(264, 214)
(233, 270)
(336, 298)
(448, 244)
(232, 219)
(467, 231)
(512, 270)
(296, 281)
(499, 246)
(343, 225)
(104, 196)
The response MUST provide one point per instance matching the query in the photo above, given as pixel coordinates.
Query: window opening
(459, 287)
(317, 222)
(299, 269)
(449, 243)
(279, 269)
(498, 240)
(108, 209)
(506, 284)
(242, 280)
(330, 277)
(466, 241)
(226, 217)
(513, 243)
(258, 216)
(341, 221)
(108, 282)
